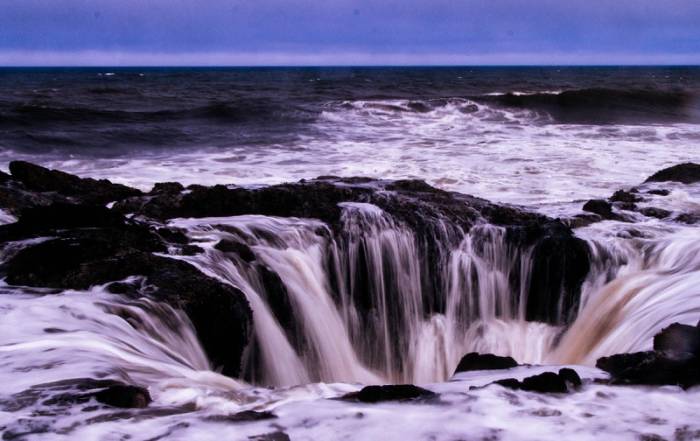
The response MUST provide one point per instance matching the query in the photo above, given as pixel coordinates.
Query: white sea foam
(515, 156)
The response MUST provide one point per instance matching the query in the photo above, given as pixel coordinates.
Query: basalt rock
(602, 208)
(437, 217)
(547, 382)
(675, 360)
(86, 190)
(679, 339)
(393, 392)
(651, 368)
(687, 173)
(479, 362)
(91, 245)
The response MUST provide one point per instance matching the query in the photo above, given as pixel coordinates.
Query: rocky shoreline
(74, 233)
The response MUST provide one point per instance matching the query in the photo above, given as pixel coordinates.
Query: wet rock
(546, 382)
(167, 187)
(687, 173)
(272, 436)
(394, 392)
(241, 417)
(86, 190)
(437, 217)
(652, 368)
(678, 340)
(658, 213)
(104, 247)
(478, 362)
(602, 208)
(625, 196)
(659, 192)
(688, 218)
(80, 391)
(242, 250)
(124, 396)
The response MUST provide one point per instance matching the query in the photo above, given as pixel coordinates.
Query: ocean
(524, 135)
(258, 311)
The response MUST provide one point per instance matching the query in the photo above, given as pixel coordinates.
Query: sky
(345, 32)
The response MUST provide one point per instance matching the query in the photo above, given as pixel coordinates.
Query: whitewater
(644, 276)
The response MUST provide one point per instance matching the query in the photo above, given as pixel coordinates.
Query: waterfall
(631, 294)
(353, 305)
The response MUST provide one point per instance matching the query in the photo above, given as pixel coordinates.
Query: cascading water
(357, 309)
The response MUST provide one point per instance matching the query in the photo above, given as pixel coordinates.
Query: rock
(438, 218)
(651, 368)
(478, 362)
(73, 391)
(85, 190)
(244, 416)
(394, 392)
(167, 187)
(687, 173)
(688, 218)
(272, 436)
(679, 340)
(102, 247)
(658, 213)
(546, 382)
(124, 396)
(625, 196)
(659, 192)
(242, 250)
(603, 209)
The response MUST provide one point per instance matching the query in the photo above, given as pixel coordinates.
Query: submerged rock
(547, 382)
(675, 360)
(478, 362)
(393, 392)
(686, 173)
(125, 396)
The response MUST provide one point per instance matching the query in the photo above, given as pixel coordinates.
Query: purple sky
(268, 32)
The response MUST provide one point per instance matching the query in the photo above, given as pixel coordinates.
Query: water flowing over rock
(348, 279)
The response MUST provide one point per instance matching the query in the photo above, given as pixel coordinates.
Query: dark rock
(109, 249)
(651, 368)
(167, 187)
(560, 263)
(679, 340)
(658, 213)
(659, 192)
(241, 417)
(477, 362)
(688, 218)
(602, 208)
(546, 382)
(124, 396)
(80, 391)
(437, 217)
(625, 196)
(570, 376)
(86, 190)
(394, 392)
(686, 173)
(242, 250)
(272, 436)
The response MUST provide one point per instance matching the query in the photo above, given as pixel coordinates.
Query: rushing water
(337, 308)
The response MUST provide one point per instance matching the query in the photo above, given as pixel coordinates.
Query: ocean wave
(32, 114)
(601, 105)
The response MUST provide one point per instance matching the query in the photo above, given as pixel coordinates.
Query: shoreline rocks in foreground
(86, 243)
